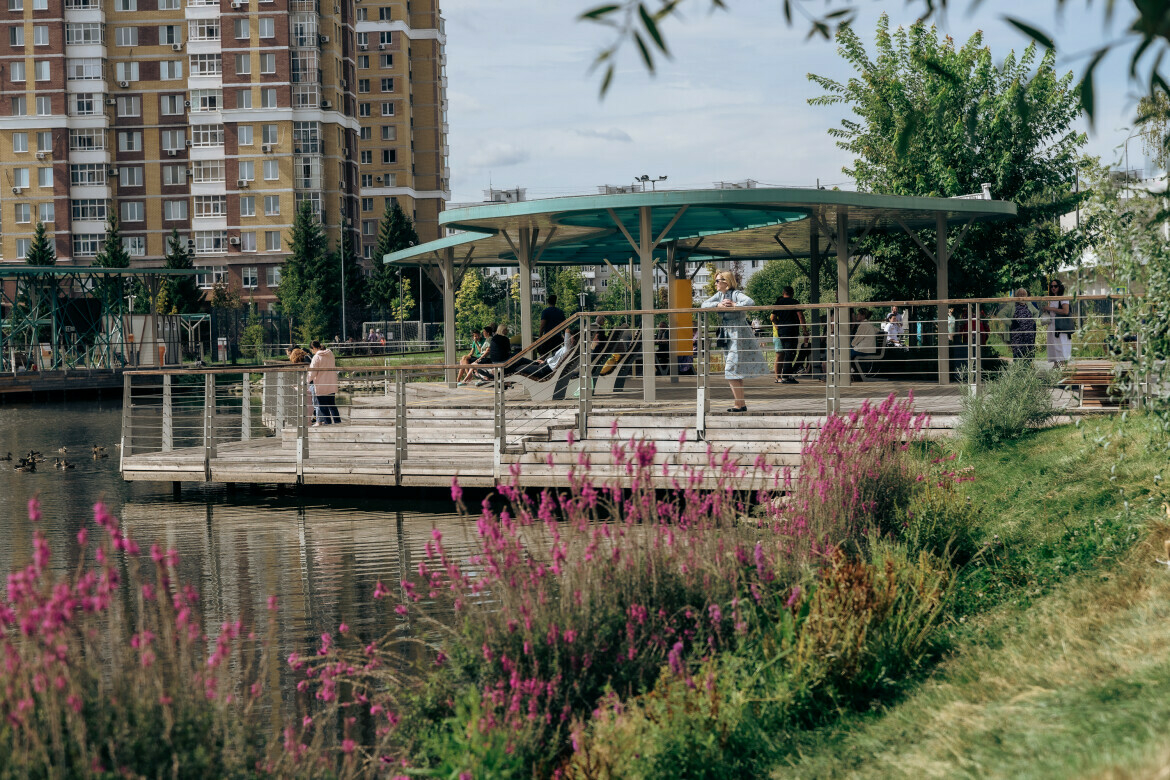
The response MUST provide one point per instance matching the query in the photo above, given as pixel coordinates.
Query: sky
(524, 109)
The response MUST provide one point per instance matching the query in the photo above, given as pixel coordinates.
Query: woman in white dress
(743, 357)
(1059, 325)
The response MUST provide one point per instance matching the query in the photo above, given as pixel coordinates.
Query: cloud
(497, 155)
(612, 134)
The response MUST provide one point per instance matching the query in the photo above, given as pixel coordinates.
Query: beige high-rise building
(217, 118)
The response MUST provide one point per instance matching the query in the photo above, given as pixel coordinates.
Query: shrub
(1008, 406)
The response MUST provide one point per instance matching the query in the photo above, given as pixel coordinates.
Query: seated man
(864, 344)
(542, 367)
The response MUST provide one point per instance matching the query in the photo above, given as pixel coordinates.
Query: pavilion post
(447, 271)
(524, 258)
(646, 261)
(843, 318)
(942, 263)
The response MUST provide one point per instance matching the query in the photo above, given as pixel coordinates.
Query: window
(168, 5)
(271, 205)
(40, 35)
(363, 39)
(86, 244)
(206, 65)
(268, 97)
(130, 141)
(172, 139)
(170, 105)
(174, 210)
(44, 105)
(272, 240)
(386, 60)
(209, 276)
(203, 30)
(210, 241)
(269, 134)
(244, 135)
(247, 242)
(125, 36)
(386, 38)
(20, 142)
(40, 5)
(387, 109)
(170, 70)
(19, 107)
(22, 245)
(271, 170)
(133, 211)
(23, 213)
(135, 246)
(91, 209)
(363, 109)
(129, 105)
(46, 212)
(16, 36)
(363, 62)
(87, 139)
(241, 29)
(267, 62)
(174, 175)
(15, 5)
(384, 15)
(249, 275)
(207, 170)
(243, 64)
(248, 206)
(41, 68)
(84, 32)
(89, 69)
(20, 177)
(244, 98)
(210, 206)
(272, 276)
(247, 170)
(387, 85)
(389, 133)
(169, 33)
(367, 157)
(369, 227)
(126, 71)
(267, 27)
(130, 176)
(207, 135)
(367, 204)
(363, 85)
(362, 15)
(83, 104)
(367, 180)
(389, 156)
(45, 177)
(125, 5)
(17, 70)
(86, 174)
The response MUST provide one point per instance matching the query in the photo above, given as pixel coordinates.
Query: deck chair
(866, 368)
(614, 380)
(545, 388)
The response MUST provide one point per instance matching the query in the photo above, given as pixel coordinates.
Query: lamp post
(646, 178)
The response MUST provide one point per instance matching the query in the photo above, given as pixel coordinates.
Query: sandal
(736, 409)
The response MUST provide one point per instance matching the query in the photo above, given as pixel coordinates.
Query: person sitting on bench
(864, 344)
(542, 367)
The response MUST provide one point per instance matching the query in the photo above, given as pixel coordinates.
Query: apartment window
(267, 27)
(387, 85)
(367, 157)
(244, 98)
(269, 134)
(367, 180)
(17, 70)
(169, 33)
(41, 69)
(363, 109)
(22, 246)
(174, 210)
(172, 139)
(384, 15)
(363, 61)
(168, 5)
(15, 5)
(389, 133)
(83, 104)
(173, 175)
(125, 36)
(244, 135)
(389, 156)
(130, 176)
(44, 141)
(267, 62)
(363, 85)
(87, 139)
(135, 246)
(133, 211)
(247, 170)
(87, 174)
(387, 109)
(88, 69)
(16, 36)
(271, 170)
(209, 276)
(249, 275)
(363, 39)
(207, 170)
(271, 205)
(23, 213)
(365, 134)
(362, 15)
(367, 204)
(268, 97)
(40, 5)
(44, 105)
(272, 276)
(369, 227)
(386, 37)
(243, 64)
(386, 60)
(89, 209)
(84, 32)
(20, 142)
(46, 212)
(210, 241)
(248, 242)
(19, 106)
(170, 70)
(203, 30)
(248, 206)
(206, 65)
(170, 105)
(241, 29)
(86, 244)
(368, 251)
(272, 240)
(20, 177)
(45, 177)
(207, 135)
(40, 35)
(125, 5)
(210, 206)
(126, 71)
(129, 105)
(130, 141)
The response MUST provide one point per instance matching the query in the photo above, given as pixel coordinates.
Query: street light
(646, 178)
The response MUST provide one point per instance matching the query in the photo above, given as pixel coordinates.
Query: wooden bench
(1096, 378)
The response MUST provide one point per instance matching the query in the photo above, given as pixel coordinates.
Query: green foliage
(396, 232)
(567, 284)
(252, 339)
(471, 312)
(179, 294)
(112, 255)
(933, 119)
(402, 303)
(1008, 406)
(709, 288)
(40, 251)
(345, 258)
(310, 285)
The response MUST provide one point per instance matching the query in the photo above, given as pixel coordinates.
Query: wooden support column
(942, 269)
(646, 259)
(843, 318)
(447, 272)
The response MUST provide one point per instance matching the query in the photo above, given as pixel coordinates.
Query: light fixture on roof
(646, 178)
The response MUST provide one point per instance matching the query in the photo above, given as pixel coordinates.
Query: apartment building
(217, 118)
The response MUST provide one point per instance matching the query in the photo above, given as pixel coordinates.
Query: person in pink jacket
(323, 378)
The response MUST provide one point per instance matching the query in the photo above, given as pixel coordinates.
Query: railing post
(127, 422)
(302, 424)
(400, 441)
(208, 424)
(280, 401)
(702, 376)
(972, 349)
(832, 362)
(246, 407)
(168, 416)
(977, 348)
(501, 428)
(584, 379)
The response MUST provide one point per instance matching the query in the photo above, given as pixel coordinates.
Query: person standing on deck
(323, 378)
(743, 357)
(787, 327)
(551, 317)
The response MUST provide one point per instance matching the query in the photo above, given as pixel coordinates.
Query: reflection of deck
(452, 432)
(78, 380)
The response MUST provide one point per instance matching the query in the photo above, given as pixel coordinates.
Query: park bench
(1096, 380)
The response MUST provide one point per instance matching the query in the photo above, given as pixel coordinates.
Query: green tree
(346, 259)
(568, 286)
(179, 294)
(40, 251)
(112, 255)
(709, 288)
(252, 339)
(471, 311)
(310, 284)
(1153, 126)
(395, 232)
(403, 303)
(933, 119)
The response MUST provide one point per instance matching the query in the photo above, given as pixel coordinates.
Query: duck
(26, 465)
(7, 457)
(62, 450)
(65, 465)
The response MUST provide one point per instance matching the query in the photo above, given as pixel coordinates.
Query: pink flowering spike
(34, 509)
(380, 590)
(272, 603)
(456, 490)
(343, 628)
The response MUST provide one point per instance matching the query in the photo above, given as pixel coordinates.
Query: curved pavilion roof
(747, 224)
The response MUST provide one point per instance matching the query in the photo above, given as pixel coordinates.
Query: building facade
(217, 118)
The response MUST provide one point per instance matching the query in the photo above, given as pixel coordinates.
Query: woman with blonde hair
(743, 357)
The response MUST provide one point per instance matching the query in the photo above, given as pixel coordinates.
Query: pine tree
(40, 252)
(345, 258)
(396, 232)
(180, 294)
(309, 267)
(112, 255)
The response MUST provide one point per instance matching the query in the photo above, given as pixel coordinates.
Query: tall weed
(1008, 406)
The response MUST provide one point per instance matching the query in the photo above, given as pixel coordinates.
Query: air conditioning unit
(40, 155)
(123, 84)
(188, 142)
(172, 152)
(322, 39)
(379, 178)
(242, 184)
(16, 190)
(364, 47)
(112, 173)
(190, 242)
(186, 104)
(237, 4)
(111, 101)
(344, 83)
(381, 47)
(234, 240)
(326, 104)
(266, 148)
(176, 47)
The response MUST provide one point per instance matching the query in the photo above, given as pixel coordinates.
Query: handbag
(721, 339)
(1064, 324)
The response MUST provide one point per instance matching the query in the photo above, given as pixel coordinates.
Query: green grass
(1058, 661)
